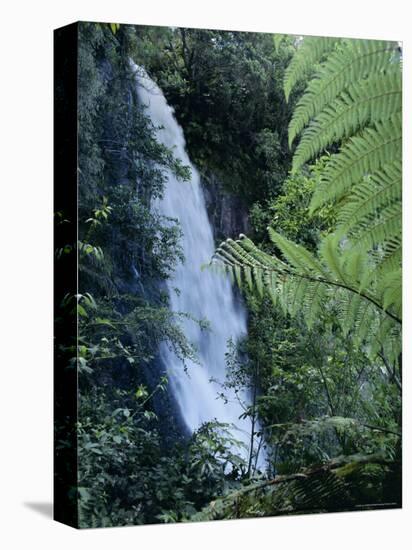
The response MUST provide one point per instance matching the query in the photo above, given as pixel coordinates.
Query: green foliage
(289, 211)
(351, 62)
(307, 284)
(331, 388)
(308, 55)
(126, 425)
(127, 477)
(333, 486)
(305, 376)
(366, 153)
(223, 86)
(356, 101)
(376, 99)
(355, 96)
(114, 27)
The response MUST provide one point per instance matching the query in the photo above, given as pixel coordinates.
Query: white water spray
(202, 294)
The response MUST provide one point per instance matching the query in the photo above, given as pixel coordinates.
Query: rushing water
(202, 293)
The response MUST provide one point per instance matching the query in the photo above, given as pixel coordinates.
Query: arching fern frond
(384, 227)
(308, 54)
(352, 61)
(328, 250)
(361, 155)
(296, 255)
(388, 288)
(369, 196)
(390, 258)
(366, 101)
(304, 284)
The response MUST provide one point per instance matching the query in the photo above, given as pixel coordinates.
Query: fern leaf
(349, 310)
(363, 154)
(384, 228)
(363, 322)
(367, 101)
(238, 275)
(329, 252)
(380, 190)
(313, 302)
(270, 282)
(356, 267)
(352, 61)
(297, 255)
(391, 259)
(258, 277)
(297, 296)
(389, 287)
(310, 52)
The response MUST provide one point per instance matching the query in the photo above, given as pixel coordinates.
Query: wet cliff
(227, 213)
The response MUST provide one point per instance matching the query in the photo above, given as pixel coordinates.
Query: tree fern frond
(297, 295)
(277, 39)
(391, 259)
(362, 155)
(271, 285)
(264, 259)
(258, 276)
(354, 102)
(387, 226)
(329, 486)
(363, 322)
(238, 275)
(358, 268)
(390, 289)
(303, 285)
(329, 252)
(348, 311)
(248, 276)
(373, 193)
(352, 61)
(313, 302)
(234, 254)
(310, 52)
(366, 101)
(387, 338)
(296, 255)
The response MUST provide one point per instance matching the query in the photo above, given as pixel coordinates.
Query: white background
(26, 271)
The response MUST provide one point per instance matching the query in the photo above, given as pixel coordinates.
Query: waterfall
(201, 293)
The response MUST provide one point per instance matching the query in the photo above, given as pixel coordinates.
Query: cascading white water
(202, 293)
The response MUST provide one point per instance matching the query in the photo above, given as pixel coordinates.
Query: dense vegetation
(227, 92)
(322, 288)
(341, 276)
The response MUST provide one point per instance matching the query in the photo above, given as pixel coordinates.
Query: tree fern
(353, 60)
(388, 289)
(311, 51)
(296, 255)
(342, 277)
(354, 102)
(385, 227)
(363, 154)
(375, 99)
(369, 196)
(390, 258)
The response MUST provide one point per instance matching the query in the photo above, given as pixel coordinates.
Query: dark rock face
(227, 214)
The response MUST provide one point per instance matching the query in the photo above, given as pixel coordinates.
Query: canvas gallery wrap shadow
(227, 274)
